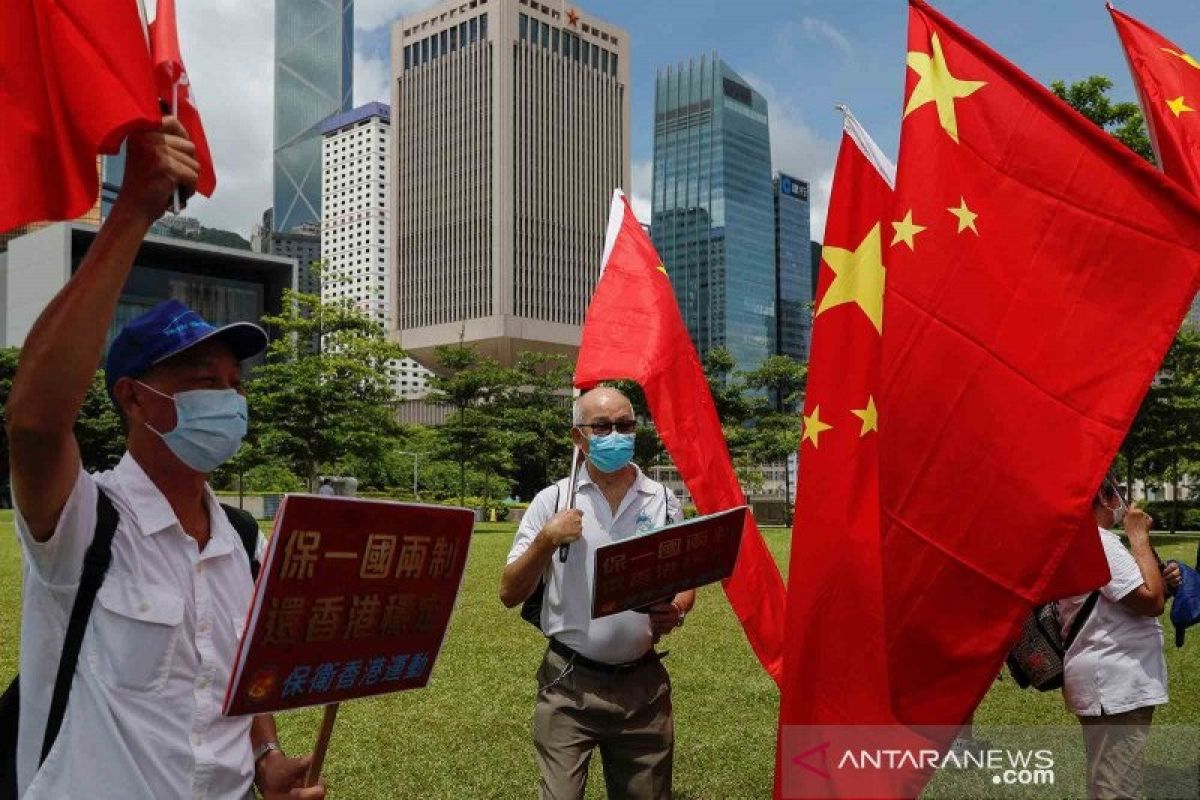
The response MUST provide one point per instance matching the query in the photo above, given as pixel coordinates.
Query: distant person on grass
(143, 720)
(1115, 673)
(601, 683)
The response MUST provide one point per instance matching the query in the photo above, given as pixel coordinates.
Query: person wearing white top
(600, 684)
(1114, 674)
(143, 719)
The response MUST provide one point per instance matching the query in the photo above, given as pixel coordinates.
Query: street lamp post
(415, 457)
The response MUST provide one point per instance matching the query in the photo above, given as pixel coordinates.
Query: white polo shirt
(1116, 664)
(567, 608)
(144, 719)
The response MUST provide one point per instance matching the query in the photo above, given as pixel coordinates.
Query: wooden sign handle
(318, 758)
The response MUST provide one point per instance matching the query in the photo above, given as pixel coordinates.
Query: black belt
(581, 660)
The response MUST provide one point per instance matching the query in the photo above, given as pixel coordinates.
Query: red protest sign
(636, 572)
(354, 600)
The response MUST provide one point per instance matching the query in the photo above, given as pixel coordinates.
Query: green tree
(99, 429)
(325, 390)
(535, 413)
(1122, 119)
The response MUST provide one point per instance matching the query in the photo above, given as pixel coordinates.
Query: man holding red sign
(601, 683)
(141, 558)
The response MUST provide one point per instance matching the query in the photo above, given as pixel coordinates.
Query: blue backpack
(1185, 608)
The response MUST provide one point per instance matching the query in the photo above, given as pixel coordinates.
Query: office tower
(354, 228)
(793, 268)
(510, 133)
(713, 213)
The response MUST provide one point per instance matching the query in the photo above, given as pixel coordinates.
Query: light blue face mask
(612, 452)
(209, 426)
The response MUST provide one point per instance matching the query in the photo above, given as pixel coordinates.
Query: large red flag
(171, 79)
(633, 330)
(75, 79)
(1016, 352)
(1168, 83)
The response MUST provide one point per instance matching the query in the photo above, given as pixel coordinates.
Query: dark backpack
(1037, 658)
(531, 609)
(95, 566)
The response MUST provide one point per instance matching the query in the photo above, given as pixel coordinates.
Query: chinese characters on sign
(355, 600)
(641, 570)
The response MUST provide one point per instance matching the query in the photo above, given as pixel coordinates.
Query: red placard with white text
(353, 600)
(636, 572)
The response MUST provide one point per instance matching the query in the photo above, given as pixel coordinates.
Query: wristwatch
(682, 614)
(263, 749)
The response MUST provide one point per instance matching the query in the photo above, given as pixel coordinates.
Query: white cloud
(372, 80)
(641, 173)
(818, 29)
(370, 14)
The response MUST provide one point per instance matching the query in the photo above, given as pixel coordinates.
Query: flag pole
(573, 486)
(322, 747)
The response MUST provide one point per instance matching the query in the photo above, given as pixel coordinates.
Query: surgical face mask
(209, 426)
(612, 452)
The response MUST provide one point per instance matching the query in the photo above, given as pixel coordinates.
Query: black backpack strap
(666, 506)
(247, 528)
(1080, 619)
(95, 566)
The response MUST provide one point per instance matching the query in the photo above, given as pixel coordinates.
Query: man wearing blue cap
(143, 719)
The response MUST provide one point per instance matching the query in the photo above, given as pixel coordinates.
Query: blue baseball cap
(167, 330)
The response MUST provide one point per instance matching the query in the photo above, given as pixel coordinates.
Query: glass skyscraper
(314, 62)
(713, 208)
(793, 268)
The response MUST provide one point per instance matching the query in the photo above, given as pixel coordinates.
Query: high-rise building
(793, 268)
(302, 244)
(355, 198)
(713, 214)
(511, 131)
(314, 62)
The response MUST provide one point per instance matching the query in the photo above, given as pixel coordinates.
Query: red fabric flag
(1015, 353)
(171, 79)
(835, 661)
(633, 330)
(75, 79)
(1168, 83)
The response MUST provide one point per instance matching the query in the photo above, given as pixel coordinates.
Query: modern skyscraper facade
(511, 131)
(355, 198)
(314, 62)
(793, 268)
(713, 214)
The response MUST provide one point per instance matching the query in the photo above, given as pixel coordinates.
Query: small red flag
(1015, 353)
(633, 330)
(1168, 83)
(75, 79)
(171, 80)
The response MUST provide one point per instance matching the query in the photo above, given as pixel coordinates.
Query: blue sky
(805, 56)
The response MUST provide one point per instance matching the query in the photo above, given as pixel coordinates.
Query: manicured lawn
(468, 735)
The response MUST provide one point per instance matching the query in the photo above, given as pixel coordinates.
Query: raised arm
(62, 350)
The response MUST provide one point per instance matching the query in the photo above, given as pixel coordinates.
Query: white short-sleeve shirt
(1116, 663)
(567, 608)
(144, 719)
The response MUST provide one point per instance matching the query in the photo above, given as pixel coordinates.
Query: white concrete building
(355, 198)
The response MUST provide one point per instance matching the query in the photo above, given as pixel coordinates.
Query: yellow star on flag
(906, 230)
(1184, 57)
(858, 278)
(1178, 106)
(814, 427)
(663, 270)
(966, 217)
(938, 86)
(868, 415)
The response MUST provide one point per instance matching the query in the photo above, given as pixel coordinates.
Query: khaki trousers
(1116, 753)
(628, 716)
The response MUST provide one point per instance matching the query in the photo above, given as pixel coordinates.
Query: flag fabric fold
(1016, 351)
(633, 330)
(171, 80)
(1168, 83)
(75, 79)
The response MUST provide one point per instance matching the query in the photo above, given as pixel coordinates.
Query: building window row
(566, 44)
(443, 43)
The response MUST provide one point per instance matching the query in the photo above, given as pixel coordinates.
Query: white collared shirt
(567, 608)
(1116, 663)
(144, 719)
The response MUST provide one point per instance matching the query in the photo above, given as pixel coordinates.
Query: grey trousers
(1116, 753)
(627, 716)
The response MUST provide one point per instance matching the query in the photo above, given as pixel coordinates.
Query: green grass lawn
(468, 735)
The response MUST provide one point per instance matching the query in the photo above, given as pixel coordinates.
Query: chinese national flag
(1168, 82)
(75, 79)
(1037, 272)
(633, 330)
(171, 80)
